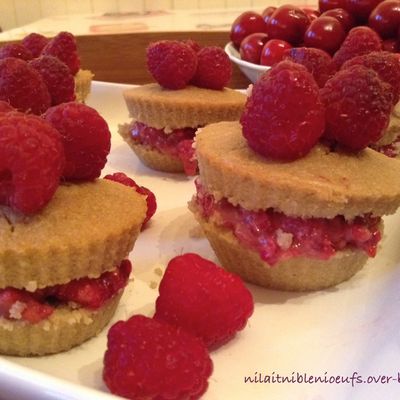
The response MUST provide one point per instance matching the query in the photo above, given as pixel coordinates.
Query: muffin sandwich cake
(63, 247)
(190, 93)
(291, 198)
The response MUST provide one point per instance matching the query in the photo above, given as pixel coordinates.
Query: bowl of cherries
(259, 41)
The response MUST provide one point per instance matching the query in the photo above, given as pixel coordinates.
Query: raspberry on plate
(35, 43)
(385, 64)
(171, 63)
(214, 69)
(57, 77)
(31, 161)
(284, 116)
(150, 197)
(358, 106)
(203, 299)
(318, 62)
(15, 50)
(86, 139)
(149, 359)
(63, 46)
(360, 40)
(22, 86)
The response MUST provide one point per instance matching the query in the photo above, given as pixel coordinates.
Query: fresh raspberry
(22, 86)
(214, 69)
(86, 139)
(193, 45)
(33, 311)
(204, 299)
(385, 64)
(6, 107)
(63, 46)
(15, 50)
(31, 161)
(358, 105)
(360, 40)
(151, 201)
(57, 77)
(91, 293)
(318, 62)
(149, 359)
(171, 63)
(35, 43)
(274, 123)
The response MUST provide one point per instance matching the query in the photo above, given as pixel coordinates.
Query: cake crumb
(46, 326)
(158, 271)
(17, 309)
(153, 285)
(284, 239)
(31, 286)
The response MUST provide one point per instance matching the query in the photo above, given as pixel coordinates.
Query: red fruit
(273, 51)
(91, 293)
(385, 19)
(360, 40)
(35, 43)
(22, 86)
(204, 299)
(15, 50)
(251, 46)
(31, 161)
(150, 359)
(358, 105)
(214, 69)
(361, 9)
(266, 14)
(57, 77)
(325, 33)
(318, 62)
(6, 107)
(288, 23)
(273, 123)
(171, 63)
(86, 139)
(120, 177)
(245, 24)
(192, 44)
(311, 14)
(325, 5)
(63, 46)
(385, 64)
(343, 16)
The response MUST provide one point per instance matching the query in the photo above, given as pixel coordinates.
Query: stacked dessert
(291, 197)
(65, 233)
(190, 93)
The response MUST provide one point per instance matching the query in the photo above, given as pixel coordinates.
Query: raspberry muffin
(279, 207)
(190, 93)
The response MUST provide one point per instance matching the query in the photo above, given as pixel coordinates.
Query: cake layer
(185, 108)
(322, 184)
(86, 229)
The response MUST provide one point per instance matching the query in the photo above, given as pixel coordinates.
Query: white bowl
(252, 71)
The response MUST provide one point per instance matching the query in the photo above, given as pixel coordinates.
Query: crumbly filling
(277, 237)
(89, 293)
(177, 144)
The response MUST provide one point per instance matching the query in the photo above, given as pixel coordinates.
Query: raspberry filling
(91, 293)
(177, 144)
(277, 237)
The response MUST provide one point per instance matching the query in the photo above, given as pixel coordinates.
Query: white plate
(353, 328)
(252, 71)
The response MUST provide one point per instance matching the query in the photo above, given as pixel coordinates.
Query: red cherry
(245, 24)
(325, 33)
(325, 5)
(385, 18)
(288, 23)
(390, 45)
(343, 16)
(361, 9)
(251, 46)
(273, 51)
(267, 13)
(311, 13)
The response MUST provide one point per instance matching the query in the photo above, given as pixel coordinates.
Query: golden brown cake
(85, 231)
(268, 220)
(174, 112)
(83, 82)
